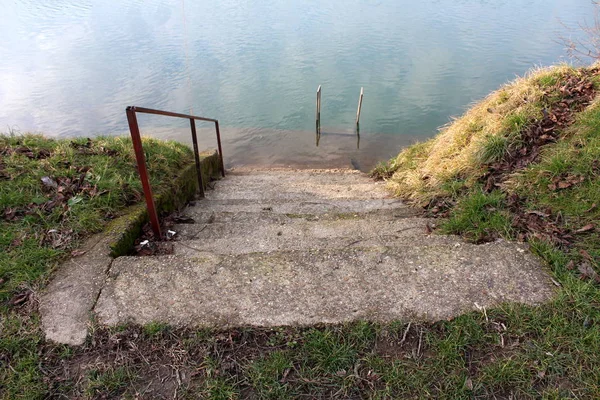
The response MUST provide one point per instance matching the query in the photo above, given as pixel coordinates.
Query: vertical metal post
(359, 106)
(141, 162)
(318, 116)
(220, 149)
(197, 157)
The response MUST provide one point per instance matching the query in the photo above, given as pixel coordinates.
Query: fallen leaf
(587, 271)
(564, 185)
(77, 253)
(587, 228)
(428, 229)
(469, 384)
(49, 182)
(20, 298)
(541, 374)
(538, 213)
(183, 219)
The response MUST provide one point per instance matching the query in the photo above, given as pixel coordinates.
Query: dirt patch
(159, 362)
(406, 343)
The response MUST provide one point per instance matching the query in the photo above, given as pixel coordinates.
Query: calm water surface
(69, 68)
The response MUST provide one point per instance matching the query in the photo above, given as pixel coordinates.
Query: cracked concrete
(66, 303)
(435, 279)
(302, 247)
(295, 247)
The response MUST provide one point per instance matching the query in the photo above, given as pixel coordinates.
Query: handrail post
(220, 149)
(141, 162)
(141, 159)
(197, 157)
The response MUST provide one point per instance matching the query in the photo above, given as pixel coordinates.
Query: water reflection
(71, 67)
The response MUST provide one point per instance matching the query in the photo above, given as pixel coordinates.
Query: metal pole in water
(319, 106)
(359, 106)
(318, 116)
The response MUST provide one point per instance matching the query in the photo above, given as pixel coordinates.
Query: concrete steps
(201, 216)
(298, 234)
(280, 247)
(379, 283)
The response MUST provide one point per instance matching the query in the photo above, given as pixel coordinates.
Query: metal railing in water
(141, 159)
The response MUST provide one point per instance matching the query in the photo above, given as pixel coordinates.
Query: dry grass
(481, 135)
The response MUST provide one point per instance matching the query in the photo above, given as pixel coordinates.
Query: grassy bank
(522, 165)
(53, 194)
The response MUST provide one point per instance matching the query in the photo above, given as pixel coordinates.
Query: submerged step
(430, 281)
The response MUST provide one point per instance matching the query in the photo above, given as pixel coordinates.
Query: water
(69, 68)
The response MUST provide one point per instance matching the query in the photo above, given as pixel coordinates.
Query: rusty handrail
(141, 158)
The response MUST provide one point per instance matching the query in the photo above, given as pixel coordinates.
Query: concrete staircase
(279, 247)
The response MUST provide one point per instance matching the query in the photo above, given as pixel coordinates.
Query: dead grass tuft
(482, 135)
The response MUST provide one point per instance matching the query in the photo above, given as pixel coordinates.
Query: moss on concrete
(126, 229)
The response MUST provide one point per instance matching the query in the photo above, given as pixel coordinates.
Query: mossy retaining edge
(123, 231)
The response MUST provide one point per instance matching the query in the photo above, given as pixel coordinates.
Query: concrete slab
(315, 207)
(298, 185)
(378, 283)
(202, 215)
(66, 303)
(299, 234)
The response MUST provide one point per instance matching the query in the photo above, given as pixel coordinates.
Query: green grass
(108, 383)
(28, 248)
(494, 149)
(480, 216)
(487, 133)
(37, 238)
(551, 351)
(577, 155)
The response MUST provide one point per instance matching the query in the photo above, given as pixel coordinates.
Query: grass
(550, 351)
(480, 217)
(483, 135)
(90, 182)
(49, 222)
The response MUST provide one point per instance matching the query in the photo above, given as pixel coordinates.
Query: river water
(69, 68)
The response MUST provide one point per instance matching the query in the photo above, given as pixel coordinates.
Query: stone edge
(123, 231)
(71, 294)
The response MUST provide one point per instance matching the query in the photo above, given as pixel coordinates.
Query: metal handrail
(141, 159)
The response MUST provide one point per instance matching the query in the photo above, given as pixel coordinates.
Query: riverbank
(524, 164)
(517, 351)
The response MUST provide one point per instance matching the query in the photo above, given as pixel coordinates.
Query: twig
(199, 232)
(420, 339)
(405, 333)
